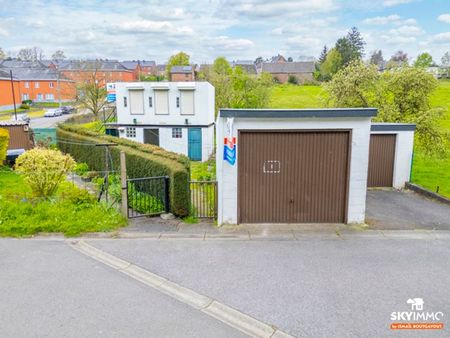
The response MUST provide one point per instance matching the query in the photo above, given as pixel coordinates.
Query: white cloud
(393, 19)
(148, 26)
(392, 3)
(441, 38)
(444, 18)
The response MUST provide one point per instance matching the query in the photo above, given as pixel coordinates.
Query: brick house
(6, 97)
(140, 67)
(182, 73)
(302, 70)
(247, 65)
(104, 71)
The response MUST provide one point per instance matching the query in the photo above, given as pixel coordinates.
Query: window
(36, 85)
(177, 133)
(39, 97)
(130, 132)
(178, 102)
(50, 84)
(136, 101)
(186, 75)
(25, 97)
(150, 102)
(125, 102)
(49, 97)
(187, 102)
(27, 85)
(161, 102)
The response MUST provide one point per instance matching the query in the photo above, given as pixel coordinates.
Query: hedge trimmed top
(146, 148)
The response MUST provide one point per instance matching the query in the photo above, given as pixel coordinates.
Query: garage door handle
(291, 201)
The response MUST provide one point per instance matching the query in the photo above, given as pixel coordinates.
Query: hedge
(142, 161)
(4, 139)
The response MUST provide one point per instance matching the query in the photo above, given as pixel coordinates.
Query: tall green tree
(323, 55)
(376, 58)
(351, 47)
(357, 41)
(179, 59)
(423, 60)
(401, 95)
(331, 65)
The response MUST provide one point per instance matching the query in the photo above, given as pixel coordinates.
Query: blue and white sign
(229, 146)
(111, 92)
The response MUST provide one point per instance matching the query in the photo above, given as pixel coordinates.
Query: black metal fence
(204, 199)
(148, 196)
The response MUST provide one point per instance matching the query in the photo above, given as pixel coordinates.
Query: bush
(81, 169)
(4, 139)
(44, 169)
(27, 102)
(292, 79)
(143, 160)
(24, 106)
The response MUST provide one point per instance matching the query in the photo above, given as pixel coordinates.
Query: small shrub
(81, 169)
(292, 79)
(4, 139)
(76, 195)
(27, 102)
(44, 170)
(24, 106)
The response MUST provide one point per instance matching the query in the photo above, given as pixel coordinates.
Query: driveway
(405, 210)
(48, 122)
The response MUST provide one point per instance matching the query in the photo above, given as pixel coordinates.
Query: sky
(236, 29)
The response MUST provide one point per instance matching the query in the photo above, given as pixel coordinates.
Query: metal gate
(147, 196)
(203, 199)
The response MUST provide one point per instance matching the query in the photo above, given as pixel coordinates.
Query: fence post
(166, 194)
(123, 184)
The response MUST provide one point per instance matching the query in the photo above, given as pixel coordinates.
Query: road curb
(207, 305)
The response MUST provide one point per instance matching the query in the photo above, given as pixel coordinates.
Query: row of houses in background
(57, 80)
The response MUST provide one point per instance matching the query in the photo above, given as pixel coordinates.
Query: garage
(381, 160)
(293, 176)
(292, 165)
(390, 154)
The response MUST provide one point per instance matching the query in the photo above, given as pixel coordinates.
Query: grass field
(30, 113)
(429, 172)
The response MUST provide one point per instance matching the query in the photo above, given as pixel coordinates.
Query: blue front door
(195, 144)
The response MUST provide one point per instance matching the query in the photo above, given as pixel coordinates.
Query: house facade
(182, 73)
(302, 70)
(6, 92)
(177, 116)
(140, 67)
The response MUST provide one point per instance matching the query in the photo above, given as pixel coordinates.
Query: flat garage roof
(293, 113)
(393, 127)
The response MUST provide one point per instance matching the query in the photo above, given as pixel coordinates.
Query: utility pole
(13, 95)
(58, 85)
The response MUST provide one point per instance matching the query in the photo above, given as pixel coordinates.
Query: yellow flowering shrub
(44, 169)
(4, 139)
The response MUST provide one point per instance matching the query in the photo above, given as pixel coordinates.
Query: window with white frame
(177, 133)
(49, 97)
(162, 102)
(25, 97)
(36, 85)
(136, 101)
(50, 84)
(39, 97)
(27, 85)
(130, 132)
(187, 102)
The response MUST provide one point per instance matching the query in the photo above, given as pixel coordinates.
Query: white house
(177, 116)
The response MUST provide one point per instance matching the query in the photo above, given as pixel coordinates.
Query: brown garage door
(381, 160)
(293, 177)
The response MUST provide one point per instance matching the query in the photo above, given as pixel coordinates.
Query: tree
(2, 54)
(376, 58)
(401, 95)
(423, 60)
(331, 65)
(92, 95)
(290, 59)
(58, 55)
(31, 54)
(180, 59)
(259, 60)
(323, 55)
(399, 56)
(351, 47)
(445, 60)
(356, 41)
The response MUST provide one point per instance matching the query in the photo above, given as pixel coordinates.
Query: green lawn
(429, 172)
(72, 211)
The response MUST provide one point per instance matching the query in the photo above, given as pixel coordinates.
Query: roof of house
(133, 64)
(13, 123)
(14, 63)
(45, 74)
(104, 65)
(4, 74)
(278, 58)
(289, 67)
(247, 65)
(298, 113)
(181, 69)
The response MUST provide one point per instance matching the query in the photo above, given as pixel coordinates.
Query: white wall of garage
(227, 175)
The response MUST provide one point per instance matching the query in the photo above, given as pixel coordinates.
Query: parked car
(67, 109)
(23, 117)
(53, 113)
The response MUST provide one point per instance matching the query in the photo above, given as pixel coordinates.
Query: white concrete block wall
(404, 147)
(227, 174)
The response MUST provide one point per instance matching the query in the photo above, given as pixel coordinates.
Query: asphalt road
(314, 287)
(48, 122)
(47, 289)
